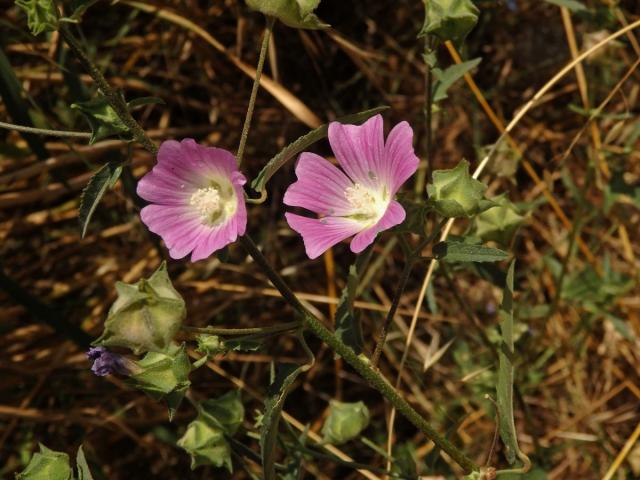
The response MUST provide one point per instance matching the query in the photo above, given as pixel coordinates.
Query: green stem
(242, 331)
(382, 336)
(44, 131)
(254, 91)
(114, 98)
(376, 380)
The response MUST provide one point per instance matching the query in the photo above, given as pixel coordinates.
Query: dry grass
(578, 375)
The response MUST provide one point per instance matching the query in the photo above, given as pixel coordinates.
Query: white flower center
(369, 206)
(207, 203)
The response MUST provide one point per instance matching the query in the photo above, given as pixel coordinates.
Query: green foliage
(294, 13)
(41, 15)
(499, 223)
(504, 386)
(274, 402)
(453, 251)
(454, 193)
(47, 465)
(302, 143)
(145, 316)
(102, 118)
(205, 438)
(416, 216)
(104, 178)
(348, 326)
(345, 422)
(404, 465)
(449, 19)
(164, 376)
(210, 344)
(596, 292)
(445, 78)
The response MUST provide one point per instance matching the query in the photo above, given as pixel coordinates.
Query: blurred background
(578, 303)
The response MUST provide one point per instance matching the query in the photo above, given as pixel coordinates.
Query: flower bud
(205, 438)
(345, 422)
(449, 19)
(454, 193)
(164, 376)
(294, 13)
(499, 223)
(47, 464)
(146, 315)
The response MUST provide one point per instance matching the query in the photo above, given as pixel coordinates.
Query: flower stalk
(113, 97)
(375, 379)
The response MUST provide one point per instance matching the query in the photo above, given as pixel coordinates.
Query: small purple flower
(360, 200)
(197, 200)
(106, 362)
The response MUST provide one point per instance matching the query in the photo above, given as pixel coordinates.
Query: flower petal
(159, 188)
(320, 187)
(359, 149)
(394, 215)
(400, 161)
(321, 234)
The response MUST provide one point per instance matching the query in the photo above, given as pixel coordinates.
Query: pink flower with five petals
(197, 200)
(359, 199)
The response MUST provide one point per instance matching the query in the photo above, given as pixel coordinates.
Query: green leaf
(83, 467)
(348, 326)
(462, 252)
(445, 78)
(142, 101)
(47, 465)
(449, 19)
(572, 5)
(294, 13)
(454, 193)
(102, 118)
(504, 387)
(41, 15)
(404, 464)
(78, 8)
(291, 150)
(274, 402)
(345, 421)
(103, 179)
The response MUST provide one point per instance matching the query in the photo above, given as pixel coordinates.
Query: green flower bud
(499, 223)
(146, 315)
(210, 344)
(294, 13)
(41, 15)
(454, 193)
(47, 464)
(449, 19)
(164, 376)
(345, 422)
(205, 438)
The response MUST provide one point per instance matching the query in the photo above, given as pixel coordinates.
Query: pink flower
(360, 200)
(197, 200)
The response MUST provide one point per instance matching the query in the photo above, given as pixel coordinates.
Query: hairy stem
(254, 91)
(242, 331)
(113, 97)
(44, 131)
(376, 380)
